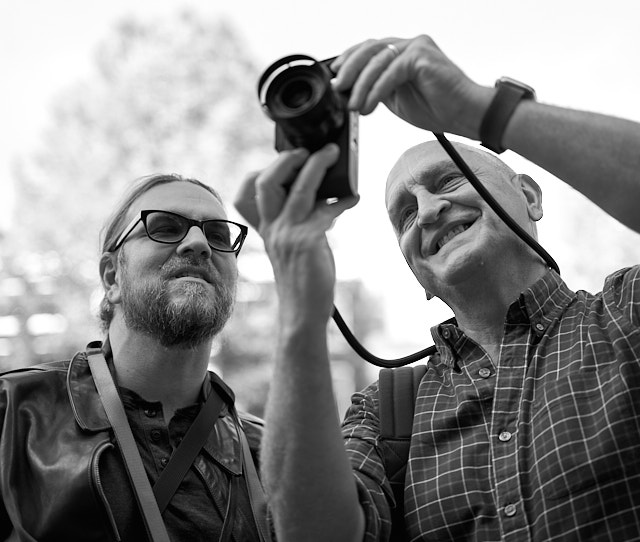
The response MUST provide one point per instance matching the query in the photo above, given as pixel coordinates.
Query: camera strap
(112, 404)
(183, 456)
(152, 502)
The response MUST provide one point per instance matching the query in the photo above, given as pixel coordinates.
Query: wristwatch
(504, 103)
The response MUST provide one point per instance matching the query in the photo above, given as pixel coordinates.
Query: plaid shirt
(542, 444)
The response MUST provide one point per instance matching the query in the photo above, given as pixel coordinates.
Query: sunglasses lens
(166, 228)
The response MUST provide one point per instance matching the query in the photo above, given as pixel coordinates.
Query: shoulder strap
(184, 455)
(135, 469)
(256, 493)
(397, 391)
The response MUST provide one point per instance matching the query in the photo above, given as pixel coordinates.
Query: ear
(110, 277)
(429, 295)
(532, 195)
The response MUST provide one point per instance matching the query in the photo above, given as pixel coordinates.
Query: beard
(177, 313)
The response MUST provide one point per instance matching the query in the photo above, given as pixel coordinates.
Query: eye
(406, 218)
(448, 182)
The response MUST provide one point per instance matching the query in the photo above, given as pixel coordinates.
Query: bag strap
(135, 469)
(184, 455)
(397, 391)
(181, 459)
(257, 496)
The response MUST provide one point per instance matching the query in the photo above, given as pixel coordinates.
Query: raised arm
(312, 491)
(597, 155)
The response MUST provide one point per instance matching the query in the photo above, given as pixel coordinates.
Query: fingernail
(332, 148)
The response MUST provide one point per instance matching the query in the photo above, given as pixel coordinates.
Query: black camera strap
(152, 502)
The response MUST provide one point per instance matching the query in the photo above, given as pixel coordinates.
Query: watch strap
(496, 118)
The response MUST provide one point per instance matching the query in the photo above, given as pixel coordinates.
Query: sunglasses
(170, 228)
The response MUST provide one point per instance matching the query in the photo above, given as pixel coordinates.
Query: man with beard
(169, 274)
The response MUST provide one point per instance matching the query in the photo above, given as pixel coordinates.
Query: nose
(430, 207)
(195, 242)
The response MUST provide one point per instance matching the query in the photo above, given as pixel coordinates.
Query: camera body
(296, 93)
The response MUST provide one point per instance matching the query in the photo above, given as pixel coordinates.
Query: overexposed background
(580, 54)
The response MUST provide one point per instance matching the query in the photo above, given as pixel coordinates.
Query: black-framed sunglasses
(169, 228)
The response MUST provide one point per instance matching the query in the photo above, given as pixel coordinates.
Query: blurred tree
(173, 95)
(177, 94)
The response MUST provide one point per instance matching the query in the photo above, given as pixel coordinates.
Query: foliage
(174, 95)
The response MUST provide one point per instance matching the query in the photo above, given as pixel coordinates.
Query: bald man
(526, 422)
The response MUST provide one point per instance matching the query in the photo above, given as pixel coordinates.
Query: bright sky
(581, 54)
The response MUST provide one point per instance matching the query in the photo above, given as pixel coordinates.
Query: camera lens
(297, 95)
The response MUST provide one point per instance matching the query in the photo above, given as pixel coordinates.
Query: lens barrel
(296, 93)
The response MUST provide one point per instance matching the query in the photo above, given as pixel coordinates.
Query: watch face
(528, 91)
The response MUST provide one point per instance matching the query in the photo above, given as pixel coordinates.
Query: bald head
(415, 161)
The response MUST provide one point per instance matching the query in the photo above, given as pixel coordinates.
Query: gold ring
(393, 49)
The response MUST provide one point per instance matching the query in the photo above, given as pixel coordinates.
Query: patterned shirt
(542, 444)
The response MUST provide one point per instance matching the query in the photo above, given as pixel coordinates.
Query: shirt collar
(538, 306)
(213, 380)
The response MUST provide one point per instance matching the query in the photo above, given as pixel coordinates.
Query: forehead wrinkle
(426, 162)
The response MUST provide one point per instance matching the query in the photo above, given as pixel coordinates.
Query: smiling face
(447, 233)
(180, 293)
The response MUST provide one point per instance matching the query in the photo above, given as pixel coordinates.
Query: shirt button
(164, 462)
(504, 436)
(484, 372)
(539, 327)
(149, 412)
(510, 510)
(155, 434)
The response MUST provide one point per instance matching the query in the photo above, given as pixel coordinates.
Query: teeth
(451, 234)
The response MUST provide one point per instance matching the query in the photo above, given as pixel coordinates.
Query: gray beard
(187, 319)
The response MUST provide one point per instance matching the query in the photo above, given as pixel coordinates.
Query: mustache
(202, 265)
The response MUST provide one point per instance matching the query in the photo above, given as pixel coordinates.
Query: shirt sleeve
(361, 432)
(625, 287)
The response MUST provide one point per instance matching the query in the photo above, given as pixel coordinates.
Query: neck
(480, 305)
(171, 375)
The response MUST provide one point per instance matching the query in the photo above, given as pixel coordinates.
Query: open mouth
(453, 232)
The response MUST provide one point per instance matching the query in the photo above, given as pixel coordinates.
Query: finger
(350, 63)
(382, 88)
(377, 65)
(302, 196)
(270, 184)
(245, 200)
(355, 62)
(339, 60)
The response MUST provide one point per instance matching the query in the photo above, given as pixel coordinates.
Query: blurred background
(96, 94)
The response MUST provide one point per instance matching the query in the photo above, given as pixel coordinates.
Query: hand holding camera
(297, 94)
(416, 81)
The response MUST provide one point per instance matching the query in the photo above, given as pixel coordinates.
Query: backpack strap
(398, 389)
(397, 392)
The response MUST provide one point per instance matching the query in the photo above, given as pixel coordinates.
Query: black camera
(296, 93)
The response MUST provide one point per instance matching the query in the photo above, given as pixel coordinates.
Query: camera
(296, 93)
